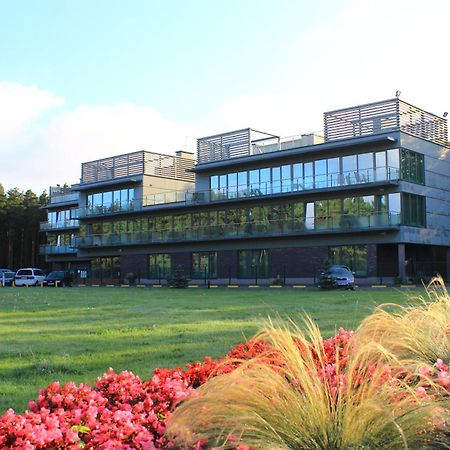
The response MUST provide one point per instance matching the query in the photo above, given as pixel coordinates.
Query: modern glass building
(372, 192)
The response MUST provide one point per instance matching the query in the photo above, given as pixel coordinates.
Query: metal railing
(336, 223)
(56, 249)
(343, 179)
(64, 197)
(71, 223)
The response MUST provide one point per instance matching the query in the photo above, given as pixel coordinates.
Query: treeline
(20, 214)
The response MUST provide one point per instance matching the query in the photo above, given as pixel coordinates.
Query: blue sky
(81, 80)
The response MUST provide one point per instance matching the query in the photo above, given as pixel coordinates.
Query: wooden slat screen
(380, 117)
(224, 146)
(137, 163)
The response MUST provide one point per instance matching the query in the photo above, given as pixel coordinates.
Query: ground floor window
(204, 265)
(159, 265)
(353, 256)
(253, 264)
(107, 267)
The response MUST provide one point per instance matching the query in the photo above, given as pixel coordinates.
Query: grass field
(49, 334)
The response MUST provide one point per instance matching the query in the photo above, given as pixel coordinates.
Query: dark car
(62, 277)
(7, 277)
(337, 276)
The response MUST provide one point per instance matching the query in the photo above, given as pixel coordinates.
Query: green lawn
(64, 334)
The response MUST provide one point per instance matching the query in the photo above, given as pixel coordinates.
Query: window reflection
(324, 173)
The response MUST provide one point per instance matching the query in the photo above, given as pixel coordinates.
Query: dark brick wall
(297, 262)
(182, 261)
(137, 264)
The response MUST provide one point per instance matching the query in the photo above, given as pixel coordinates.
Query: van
(29, 277)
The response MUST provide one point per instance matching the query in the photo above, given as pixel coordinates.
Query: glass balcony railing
(291, 185)
(56, 249)
(72, 223)
(338, 223)
(319, 181)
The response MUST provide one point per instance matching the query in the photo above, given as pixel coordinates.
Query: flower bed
(121, 411)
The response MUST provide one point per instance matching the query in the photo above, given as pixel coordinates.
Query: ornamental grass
(378, 390)
(419, 332)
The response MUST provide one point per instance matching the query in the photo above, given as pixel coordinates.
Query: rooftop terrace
(363, 120)
(138, 163)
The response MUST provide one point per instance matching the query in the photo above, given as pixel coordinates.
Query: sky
(87, 79)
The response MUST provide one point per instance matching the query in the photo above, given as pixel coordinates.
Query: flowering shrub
(121, 411)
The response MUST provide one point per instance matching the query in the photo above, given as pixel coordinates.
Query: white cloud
(20, 105)
(364, 53)
(92, 132)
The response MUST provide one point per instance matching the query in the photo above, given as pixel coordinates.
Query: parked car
(337, 276)
(29, 276)
(6, 277)
(63, 278)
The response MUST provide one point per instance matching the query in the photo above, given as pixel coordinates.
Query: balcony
(60, 194)
(342, 223)
(66, 224)
(296, 185)
(285, 186)
(57, 249)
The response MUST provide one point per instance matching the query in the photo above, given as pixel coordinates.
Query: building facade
(372, 192)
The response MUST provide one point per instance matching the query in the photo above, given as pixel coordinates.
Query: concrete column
(401, 262)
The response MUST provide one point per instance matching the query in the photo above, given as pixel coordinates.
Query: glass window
(107, 267)
(242, 184)
(320, 172)
(309, 219)
(365, 168)
(107, 200)
(413, 210)
(159, 265)
(97, 201)
(222, 182)
(276, 180)
(394, 208)
(349, 167)
(51, 217)
(308, 176)
(264, 175)
(253, 264)
(393, 163)
(214, 186)
(334, 177)
(124, 198)
(353, 256)
(334, 212)
(367, 205)
(116, 200)
(299, 215)
(297, 177)
(204, 265)
(380, 166)
(254, 182)
(286, 178)
(232, 185)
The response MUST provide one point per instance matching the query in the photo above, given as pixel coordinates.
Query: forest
(20, 215)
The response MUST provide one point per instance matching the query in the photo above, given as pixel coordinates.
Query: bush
(286, 388)
(178, 279)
